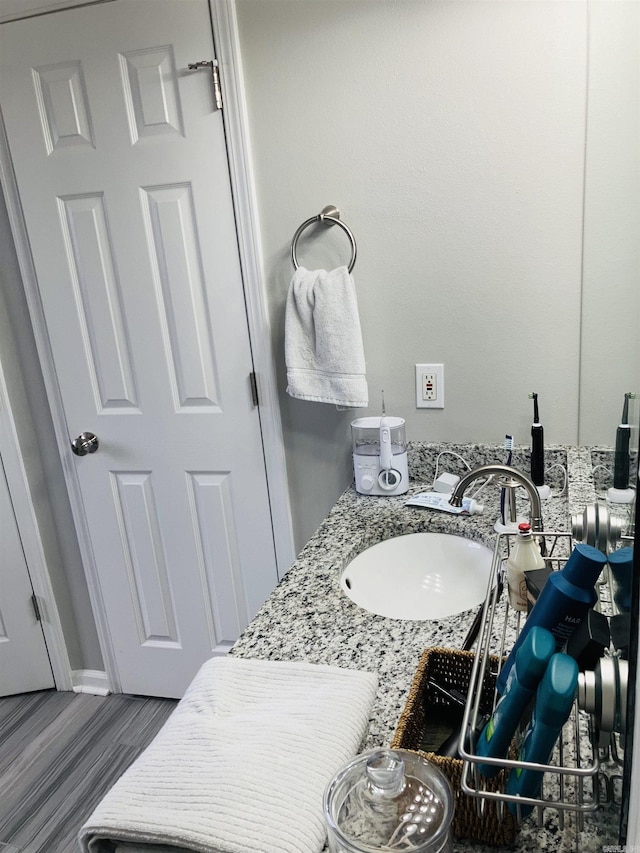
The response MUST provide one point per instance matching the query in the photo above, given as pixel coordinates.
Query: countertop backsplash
(308, 617)
(422, 459)
(602, 459)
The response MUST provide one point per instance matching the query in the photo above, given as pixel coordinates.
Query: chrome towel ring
(331, 216)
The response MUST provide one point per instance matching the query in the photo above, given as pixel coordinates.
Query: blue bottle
(531, 663)
(566, 598)
(554, 699)
(621, 565)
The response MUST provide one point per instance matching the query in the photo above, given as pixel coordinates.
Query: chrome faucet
(503, 474)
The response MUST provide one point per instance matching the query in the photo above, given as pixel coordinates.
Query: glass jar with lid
(389, 800)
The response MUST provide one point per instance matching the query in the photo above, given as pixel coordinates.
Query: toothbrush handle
(506, 502)
(537, 455)
(386, 455)
(621, 459)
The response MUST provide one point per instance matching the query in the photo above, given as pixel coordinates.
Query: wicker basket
(452, 669)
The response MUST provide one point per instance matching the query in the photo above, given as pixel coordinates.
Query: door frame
(227, 47)
(226, 40)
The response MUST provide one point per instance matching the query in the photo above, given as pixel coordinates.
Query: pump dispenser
(565, 600)
(525, 555)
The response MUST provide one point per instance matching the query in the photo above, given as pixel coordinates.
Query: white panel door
(122, 171)
(24, 662)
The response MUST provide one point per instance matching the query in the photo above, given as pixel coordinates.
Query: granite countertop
(309, 618)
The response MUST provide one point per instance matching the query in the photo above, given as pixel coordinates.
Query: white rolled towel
(242, 763)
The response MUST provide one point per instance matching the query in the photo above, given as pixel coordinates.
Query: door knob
(85, 443)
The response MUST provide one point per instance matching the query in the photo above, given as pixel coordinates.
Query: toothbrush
(508, 446)
(386, 455)
(537, 445)
(621, 457)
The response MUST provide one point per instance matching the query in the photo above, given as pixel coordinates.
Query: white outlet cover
(438, 371)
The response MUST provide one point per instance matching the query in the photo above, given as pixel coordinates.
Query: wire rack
(571, 781)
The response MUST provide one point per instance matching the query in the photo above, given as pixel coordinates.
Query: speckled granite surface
(308, 617)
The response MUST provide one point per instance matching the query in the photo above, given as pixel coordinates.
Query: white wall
(451, 136)
(611, 289)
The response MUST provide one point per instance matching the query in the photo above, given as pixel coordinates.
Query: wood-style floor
(59, 754)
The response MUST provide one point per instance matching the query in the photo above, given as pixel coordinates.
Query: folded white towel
(148, 848)
(242, 763)
(323, 340)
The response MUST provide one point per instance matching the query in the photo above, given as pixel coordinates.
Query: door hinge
(215, 75)
(36, 607)
(254, 388)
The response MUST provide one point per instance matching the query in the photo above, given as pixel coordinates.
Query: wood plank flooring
(59, 754)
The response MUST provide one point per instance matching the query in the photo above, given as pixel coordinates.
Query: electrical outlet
(430, 386)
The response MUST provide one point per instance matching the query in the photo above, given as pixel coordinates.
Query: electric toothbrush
(537, 451)
(621, 493)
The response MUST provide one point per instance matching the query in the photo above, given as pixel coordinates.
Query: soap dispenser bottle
(525, 555)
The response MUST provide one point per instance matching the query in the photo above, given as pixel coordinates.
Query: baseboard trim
(92, 681)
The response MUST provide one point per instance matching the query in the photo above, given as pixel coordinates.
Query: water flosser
(386, 453)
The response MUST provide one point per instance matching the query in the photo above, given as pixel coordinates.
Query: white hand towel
(242, 763)
(323, 340)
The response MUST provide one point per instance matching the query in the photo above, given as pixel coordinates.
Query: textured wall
(610, 363)
(451, 135)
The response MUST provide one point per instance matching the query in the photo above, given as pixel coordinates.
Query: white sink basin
(419, 576)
